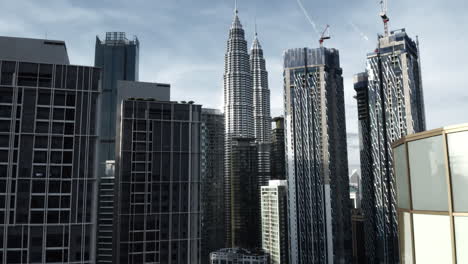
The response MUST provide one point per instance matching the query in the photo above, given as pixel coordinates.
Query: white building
(274, 221)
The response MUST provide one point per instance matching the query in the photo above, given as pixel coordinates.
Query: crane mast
(384, 16)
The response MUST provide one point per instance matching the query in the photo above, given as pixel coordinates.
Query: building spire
(235, 7)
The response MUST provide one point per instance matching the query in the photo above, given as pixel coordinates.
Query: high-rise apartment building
(261, 112)
(118, 58)
(157, 212)
(317, 168)
(390, 105)
(212, 180)
(238, 108)
(275, 221)
(245, 194)
(48, 140)
(278, 162)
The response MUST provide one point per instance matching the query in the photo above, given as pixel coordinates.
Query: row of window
(48, 75)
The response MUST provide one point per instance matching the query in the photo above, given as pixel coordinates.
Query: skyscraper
(262, 118)
(238, 106)
(48, 137)
(275, 221)
(245, 194)
(212, 188)
(317, 168)
(278, 162)
(118, 58)
(390, 105)
(157, 213)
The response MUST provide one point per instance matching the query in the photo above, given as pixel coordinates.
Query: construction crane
(384, 16)
(325, 35)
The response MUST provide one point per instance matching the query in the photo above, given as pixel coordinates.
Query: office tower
(317, 168)
(261, 111)
(118, 59)
(157, 213)
(390, 107)
(245, 194)
(125, 90)
(275, 221)
(278, 162)
(212, 186)
(238, 106)
(48, 136)
(430, 178)
(238, 255)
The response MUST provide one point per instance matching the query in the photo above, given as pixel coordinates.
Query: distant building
(157, 187)
(48, 141)
(390, 105)
(261, 112)
(317, 163)
(245, 194)
(212, 186)
(275, 221)
(355, 189)
(238, 255)
(431, 171)
(238, 109)
(278, 161)
(118, 58)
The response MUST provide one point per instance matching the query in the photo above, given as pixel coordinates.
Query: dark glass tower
(48, 137)
(317, 164)
(212, 189)
(390, 105)
(278, 162)
(118, 58)
(157, 213)
(245, 194)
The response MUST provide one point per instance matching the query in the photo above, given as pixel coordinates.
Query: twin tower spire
(247, 115)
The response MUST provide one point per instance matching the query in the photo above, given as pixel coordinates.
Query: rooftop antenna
(325, 35)
(235, 7)
(384, 16)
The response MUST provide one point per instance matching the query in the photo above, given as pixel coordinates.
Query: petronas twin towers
(247, 129)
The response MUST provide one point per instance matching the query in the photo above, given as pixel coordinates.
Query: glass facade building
(157, 187)
(390, 105)
(278, 162)
(118, 58)
(48, 137)
(431, 170)
(316, 157)
(212, 188)
(245, 194)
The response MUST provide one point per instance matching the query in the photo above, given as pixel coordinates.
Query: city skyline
(281, 25)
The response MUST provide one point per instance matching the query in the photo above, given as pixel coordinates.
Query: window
(5, 111)
(40, 157)
(432, 238)
(401, 175)
(5, 125)
(458, 155)
(427, 170)
(27, 75)
(43, 113)
(43, 97)
(71, 77)
(45, 75)
(59, 98)
(8, 68)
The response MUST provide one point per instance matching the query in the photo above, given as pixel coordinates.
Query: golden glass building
(431, 171)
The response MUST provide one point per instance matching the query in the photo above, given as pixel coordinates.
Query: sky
(183, 42)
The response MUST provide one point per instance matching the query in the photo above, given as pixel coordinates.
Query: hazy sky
(182, 42)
